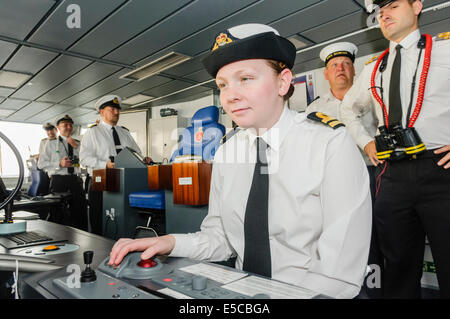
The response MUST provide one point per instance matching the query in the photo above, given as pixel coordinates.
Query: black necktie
(256, 227)
(70, 153)
(116, 140)
(395, 102)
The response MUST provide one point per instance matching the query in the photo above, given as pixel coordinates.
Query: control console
(169, 277)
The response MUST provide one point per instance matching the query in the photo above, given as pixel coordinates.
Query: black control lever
(88, 275)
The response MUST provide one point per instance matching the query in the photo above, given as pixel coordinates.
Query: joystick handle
(88, 256)
(88, 275)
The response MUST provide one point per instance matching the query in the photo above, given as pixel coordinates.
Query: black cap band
(339, 53)
(266, 45)
(110, 103)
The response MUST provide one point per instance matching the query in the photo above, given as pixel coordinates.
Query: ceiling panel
(97, 90)
(13, 104)
(19, 17)
(167, 88)
(437, 27)
(29, 60)
(6, 49)
(344, 25)
(56, 34)
(80, 81)
(190, 19)
(130, 20)
(5, 92)
(28, 111)
(137, 87)
(63, 67)
(50, 112)
(259, 12)
(88, 118)
(315, 15)
(78, 111)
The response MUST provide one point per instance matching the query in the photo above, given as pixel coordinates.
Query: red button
(111, 283)
(148, 263)
(167, 279)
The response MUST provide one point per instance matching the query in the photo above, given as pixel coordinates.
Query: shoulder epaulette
(93, 125)
(318, 97)
(374, 58)
(45, 138)
(325, 119)
(443, 36)
(125, 128)
(230, 134)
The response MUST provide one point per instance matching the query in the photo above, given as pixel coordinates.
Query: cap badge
(115, 101)
(221, 40)
(199, 135)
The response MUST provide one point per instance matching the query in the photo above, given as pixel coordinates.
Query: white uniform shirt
(98, 145)
(54, 151)
(331, 106)
(319, 206)
(42, 145)
(433, 121)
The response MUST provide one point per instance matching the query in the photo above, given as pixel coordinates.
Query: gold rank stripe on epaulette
(372, 59)
(443, 36)
(325, 119)
(230, 134)
(93, 125)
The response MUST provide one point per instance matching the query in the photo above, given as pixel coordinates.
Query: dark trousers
(413, 201)
(77, 204)
(95, 208)
(375, 256)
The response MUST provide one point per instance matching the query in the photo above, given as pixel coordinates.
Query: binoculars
(397, 142)
(75, 161)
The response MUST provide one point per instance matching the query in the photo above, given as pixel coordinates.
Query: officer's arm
(88, 152)
(210, 243)
(357, 101)
(45, 159)
(343, 245)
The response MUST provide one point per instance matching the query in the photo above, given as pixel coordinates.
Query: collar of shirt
(408, 42)
(329, 97)
(276, 134)
(106, 125)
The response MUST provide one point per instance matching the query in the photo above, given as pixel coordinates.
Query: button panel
(183, 282)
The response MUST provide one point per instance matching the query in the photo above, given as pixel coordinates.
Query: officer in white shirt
(300, 214)
(408, 87)
(60, 159)
(99, 146)
(339, 72)
(51, 132)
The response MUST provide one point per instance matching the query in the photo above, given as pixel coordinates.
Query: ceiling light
(297, 41)
(163, 63)
(138, 98)
(13, 80)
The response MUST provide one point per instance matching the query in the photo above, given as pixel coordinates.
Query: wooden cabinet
(191, 182)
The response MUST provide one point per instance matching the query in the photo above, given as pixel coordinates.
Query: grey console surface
(105, 287)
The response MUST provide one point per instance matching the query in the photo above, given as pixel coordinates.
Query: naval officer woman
(289, 196)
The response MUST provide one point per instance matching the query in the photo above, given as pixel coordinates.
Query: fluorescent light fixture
(297, 41)
(12, 79)
(135, 99)
(163, 63)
